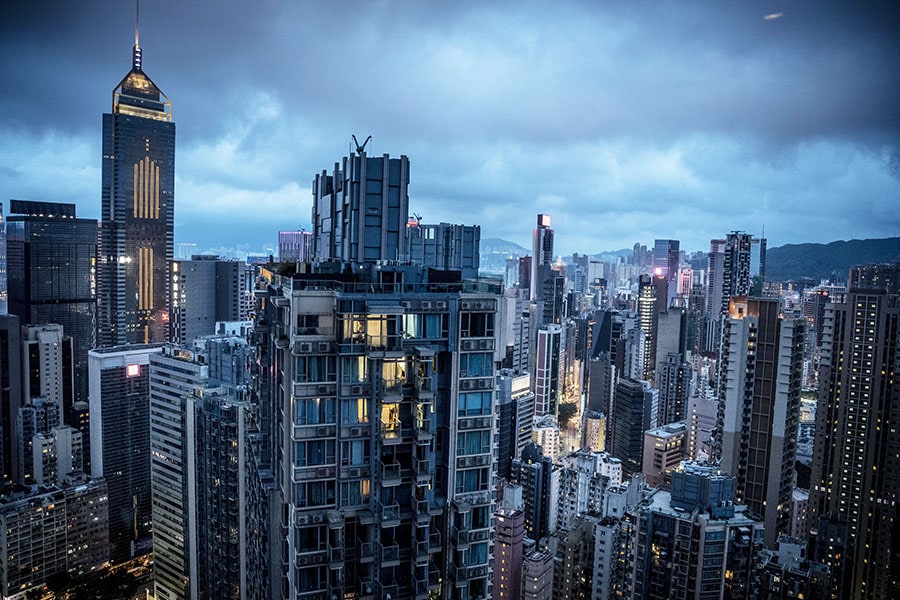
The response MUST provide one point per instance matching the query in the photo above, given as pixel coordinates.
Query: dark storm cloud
(624, 120)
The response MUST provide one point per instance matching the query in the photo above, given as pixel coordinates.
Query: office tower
(695, 542)
(137, 213)
(51, 266)
(634, 407)
(359, 210)
(295, 246)
(546, 370)
(649, 289)
(49, 533)
(508, 554)
(854, 486)
(533, 471)
(673, 333)
(673, 380)
(3, 289)
(205, 290)
(10, 394)
(541, 255)
(120, 442)
(760, 380)
(445, 246)
(515, 419)
(666, 260)
(664, 449)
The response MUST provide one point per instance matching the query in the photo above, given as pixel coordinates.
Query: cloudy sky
(626, 121)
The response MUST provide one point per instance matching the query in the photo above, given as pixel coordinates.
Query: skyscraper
(51, 263)
(3, 295)
(205, 290)
(10, 394)
(761, 369)
(120, 442)
(666, 259)
(541, 254)
(138, 209)
(855, 487)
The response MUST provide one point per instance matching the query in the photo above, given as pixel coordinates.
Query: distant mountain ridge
(793, 262)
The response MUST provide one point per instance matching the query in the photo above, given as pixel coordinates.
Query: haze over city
(626, 121)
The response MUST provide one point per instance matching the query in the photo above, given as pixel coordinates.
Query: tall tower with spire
(138, 208)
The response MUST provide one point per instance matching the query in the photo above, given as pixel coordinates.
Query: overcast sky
(625, 121)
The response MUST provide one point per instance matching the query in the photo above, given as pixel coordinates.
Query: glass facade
(52, 276)
(137, 234)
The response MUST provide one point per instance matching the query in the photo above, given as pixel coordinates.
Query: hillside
(827, 261)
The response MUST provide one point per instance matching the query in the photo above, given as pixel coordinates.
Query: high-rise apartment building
(760, 380)
(694, 542)
(445, 246)
(51, 265)
(203, 474)
(508, 554)
(138, 212)
(120, 442)
(377, 404)
(855, 487)
(53, 532)
(360, 210)
(373, 374)
(733, 262)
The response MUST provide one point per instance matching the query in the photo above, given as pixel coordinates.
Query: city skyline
(730, 119)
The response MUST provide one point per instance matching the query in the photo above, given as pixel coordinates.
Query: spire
(136, 52)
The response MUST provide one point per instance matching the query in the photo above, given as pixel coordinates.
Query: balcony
(434, 542)
(389, 555)
(422, 553)
(422, 467)
(391, 432)
(385, 590)
(366, 552)
(460, 538)
(389, 514)
(390, 474)
(336, 558)
(423, 515)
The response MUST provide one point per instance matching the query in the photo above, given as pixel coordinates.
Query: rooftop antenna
(136, 53)
(361, 149)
